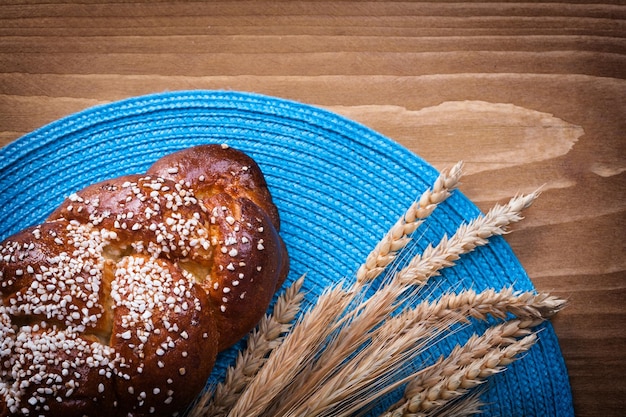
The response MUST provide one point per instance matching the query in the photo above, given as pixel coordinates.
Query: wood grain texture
(528, 94)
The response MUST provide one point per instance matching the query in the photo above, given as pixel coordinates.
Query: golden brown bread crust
(232, 172)
(246, 271)
(249, 253)
(120, 301)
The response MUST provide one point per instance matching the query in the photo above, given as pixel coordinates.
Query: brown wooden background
(528, 94)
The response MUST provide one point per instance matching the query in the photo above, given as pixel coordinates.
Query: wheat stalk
(465, 406)
(398, 236)
(468, 303)
(325, 381)
(344, 353)
(465, 367)
(297, 349)
(363, 378)
(465, 239)
(261, 341)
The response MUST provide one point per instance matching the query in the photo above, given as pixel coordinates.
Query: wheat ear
(298, 348)
(465, 239)
(529, 308)
(261, 341)
(398, 236)
(333, 377)
(465, 367)
(470, 304)
(465, 406)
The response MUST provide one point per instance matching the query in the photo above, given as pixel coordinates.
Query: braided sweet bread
(120, 301)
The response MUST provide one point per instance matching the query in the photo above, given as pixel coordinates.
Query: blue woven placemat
(339, 186)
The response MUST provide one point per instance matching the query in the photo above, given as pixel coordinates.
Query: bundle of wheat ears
(347, 351)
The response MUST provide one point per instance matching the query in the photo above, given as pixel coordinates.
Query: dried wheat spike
(340, 375)
(465, 239)
(261, 341)
(398, 236)
(455, 308)
(297, 349)
(465, 367)
(465, 406)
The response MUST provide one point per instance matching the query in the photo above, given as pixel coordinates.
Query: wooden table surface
(527, 94)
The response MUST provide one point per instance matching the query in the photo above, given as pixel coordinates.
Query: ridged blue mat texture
(338, 185)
